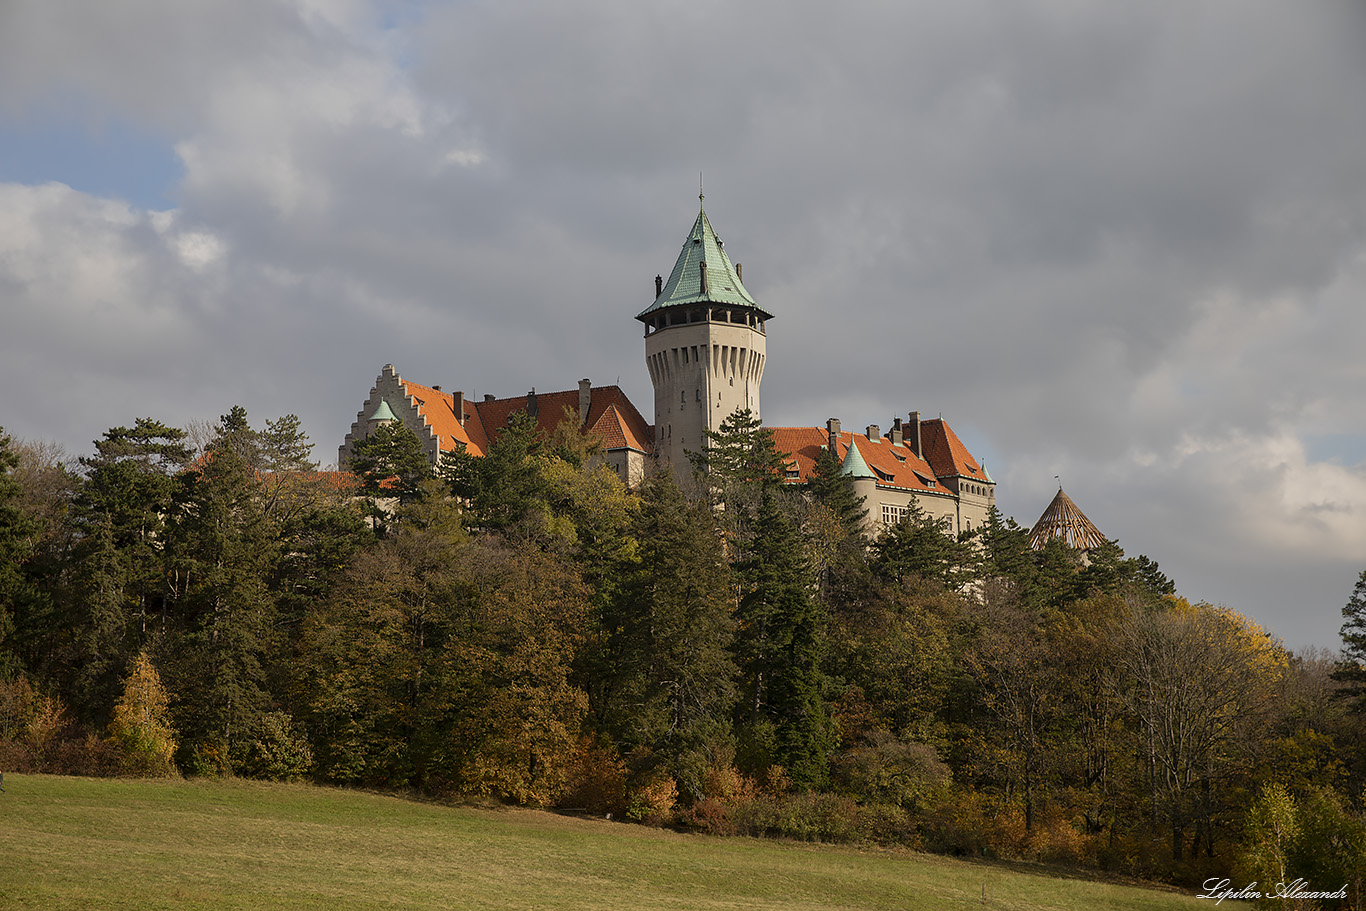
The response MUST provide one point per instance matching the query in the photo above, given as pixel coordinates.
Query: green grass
(72, 843)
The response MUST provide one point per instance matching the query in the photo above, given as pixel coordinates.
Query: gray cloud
(1123, 244)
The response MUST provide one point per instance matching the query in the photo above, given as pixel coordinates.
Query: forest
(728, 654)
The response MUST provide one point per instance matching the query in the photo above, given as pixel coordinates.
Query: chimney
(585, 399)
(488, 397)
(659, 285)
(896, 431)
(702, 270)
(913, 434)
(832, 432)
(458, 406)
(437, 388)
(531, 407)
(873, 431)
(740, 272)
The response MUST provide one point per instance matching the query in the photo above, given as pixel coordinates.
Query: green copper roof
(854, 466)
(685, 282)
(383, 412)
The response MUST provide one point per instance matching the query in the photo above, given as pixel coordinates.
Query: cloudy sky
(1119, 243)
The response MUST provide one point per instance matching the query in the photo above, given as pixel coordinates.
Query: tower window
(699, 395)
(682, 396)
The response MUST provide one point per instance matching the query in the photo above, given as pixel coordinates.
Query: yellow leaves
(141, 729)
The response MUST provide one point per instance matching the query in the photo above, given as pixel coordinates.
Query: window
(699, 395)
(892, 514)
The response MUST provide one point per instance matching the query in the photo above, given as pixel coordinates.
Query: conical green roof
(854, 466)
(383, 412)
(685, 282)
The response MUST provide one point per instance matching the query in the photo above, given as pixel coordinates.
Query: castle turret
(704, 345)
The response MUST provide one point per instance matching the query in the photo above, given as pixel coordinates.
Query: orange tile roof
(439, 410)
(624, 429)
(947, 453)
(895, 466)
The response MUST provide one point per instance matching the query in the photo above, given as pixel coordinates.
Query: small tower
(704, 345)
(1062, 519)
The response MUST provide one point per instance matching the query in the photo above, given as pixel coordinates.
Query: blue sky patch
(111, 159)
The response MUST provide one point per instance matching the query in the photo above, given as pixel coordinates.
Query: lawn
(73, 843)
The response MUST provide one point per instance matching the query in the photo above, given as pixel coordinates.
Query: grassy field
(71, 843)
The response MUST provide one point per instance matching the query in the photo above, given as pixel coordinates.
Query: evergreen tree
(390, 463)
(666, 676)
(17, 532)
(504, 488)
(832, 488)
(225, 634)
(115, 605)
(918, 547)
(781, 642)
(1351, 670)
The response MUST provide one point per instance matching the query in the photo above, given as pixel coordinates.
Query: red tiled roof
(895, 466)
(439, 409)
(947, 453)
(625, 428)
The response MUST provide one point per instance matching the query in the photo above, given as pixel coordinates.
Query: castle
(705, 349)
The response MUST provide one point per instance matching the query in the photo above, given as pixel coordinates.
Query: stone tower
(704, 345)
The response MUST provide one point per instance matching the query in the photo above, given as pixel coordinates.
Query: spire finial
(699, 188)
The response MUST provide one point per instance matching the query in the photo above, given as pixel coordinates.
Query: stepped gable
(1062, 519)
(438, 408)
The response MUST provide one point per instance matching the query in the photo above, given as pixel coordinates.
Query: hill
(75, 843)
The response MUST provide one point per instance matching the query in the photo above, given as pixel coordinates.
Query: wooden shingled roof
(1062, 519)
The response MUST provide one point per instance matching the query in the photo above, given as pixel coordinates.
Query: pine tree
(666, 675)
(781, 644)
(390, 463)
(16, 543)
(504, 488)
(835, 490)
(918, 547)
(1351, 669)
(221, 556)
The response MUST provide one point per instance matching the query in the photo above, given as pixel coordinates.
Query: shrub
(279, 751)
(653, 801)
(596, 779)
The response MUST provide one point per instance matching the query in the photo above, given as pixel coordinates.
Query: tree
(504, 488)
(1351, 670)
(221, 556)
(918, 547)
(390, 463)
(141, 728)
(17, 531)
(666, 675)
(781, 645)
(1200, 680)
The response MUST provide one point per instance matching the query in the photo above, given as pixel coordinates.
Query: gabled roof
(623, 428)
(891, 465)
(439, 409)
(947, 454)
(685, 282)
(1062, 519)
